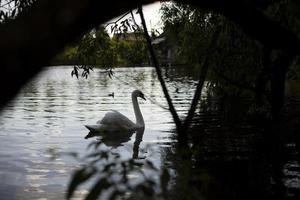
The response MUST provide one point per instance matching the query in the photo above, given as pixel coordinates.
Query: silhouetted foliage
(236, 58)
(10, 9)
(253, 52)
(111, 176)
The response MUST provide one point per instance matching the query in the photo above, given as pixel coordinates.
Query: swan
(114, 121)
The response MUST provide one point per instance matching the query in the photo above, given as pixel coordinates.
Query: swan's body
(114, 121)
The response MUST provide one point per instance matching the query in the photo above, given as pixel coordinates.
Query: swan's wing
(118, 120)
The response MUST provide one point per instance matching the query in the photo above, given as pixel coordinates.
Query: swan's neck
(138, 115)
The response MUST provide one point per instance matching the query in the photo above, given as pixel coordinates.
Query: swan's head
(138, 93)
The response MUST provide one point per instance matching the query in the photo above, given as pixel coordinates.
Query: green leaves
(96, 49)
(78, 178)
(164, 180)
(235, 60)
(101, 185)
(112, 175)
(110, 73)
(75, 72)
(85, 71)
(9, 10)
(188, 29)
(123, 24)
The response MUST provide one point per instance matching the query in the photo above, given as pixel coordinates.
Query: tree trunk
(278, 74)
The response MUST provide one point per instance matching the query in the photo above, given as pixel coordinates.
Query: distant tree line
(98, 49)
(237, 61)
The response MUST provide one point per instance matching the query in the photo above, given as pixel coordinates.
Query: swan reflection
(136, 145)
(118, 138)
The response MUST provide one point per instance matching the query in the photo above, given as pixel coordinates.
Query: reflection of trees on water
(229, 156)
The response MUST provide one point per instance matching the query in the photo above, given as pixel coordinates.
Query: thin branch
(146, 96)
(197, 95)
(133, 18)
(263, 77)
(138, 27)
(114, 22)
(7, 3)
(158, 71)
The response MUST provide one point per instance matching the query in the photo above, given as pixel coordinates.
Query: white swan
(114, 121)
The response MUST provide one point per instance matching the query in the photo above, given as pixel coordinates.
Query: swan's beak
(143, 97)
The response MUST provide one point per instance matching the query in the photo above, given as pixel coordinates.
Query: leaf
(92, 155)
(110, 73)
(115, 194)
(133, 163)
(98, 144)
(150, 165)
(13, 13)
(97, 189)
(72, 154)
(91, 144)
(78, 178)
(147, 190)
(108, 167)
(128, 24)
(104, 155)
(111, 29)
(164, 179)
(75, 72)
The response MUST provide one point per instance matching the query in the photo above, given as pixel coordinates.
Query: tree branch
(114, 22)
(158, 71)
(202, 76)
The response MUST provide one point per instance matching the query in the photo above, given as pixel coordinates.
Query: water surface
(235, 156)
(49, 113)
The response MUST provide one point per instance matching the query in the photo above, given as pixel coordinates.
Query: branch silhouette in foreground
(182, 127)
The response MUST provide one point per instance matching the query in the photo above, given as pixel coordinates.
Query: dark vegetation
(244, 48)
(122, 50)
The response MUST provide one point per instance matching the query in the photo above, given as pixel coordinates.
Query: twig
(146, 96)
(158, 71)
(133, 18)
(7, 3)
(114, 22)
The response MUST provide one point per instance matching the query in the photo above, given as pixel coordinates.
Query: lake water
(233, 159)
(49, 115)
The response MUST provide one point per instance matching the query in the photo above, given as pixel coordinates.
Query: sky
(151, 14)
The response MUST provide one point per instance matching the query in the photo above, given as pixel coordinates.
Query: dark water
(49, 114)
(231, 156)
(235, 154)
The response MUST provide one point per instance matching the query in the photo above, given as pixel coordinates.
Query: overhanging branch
(158, 71)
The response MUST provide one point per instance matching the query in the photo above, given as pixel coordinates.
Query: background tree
(236, 60)
(131, 49)
(10, 9)
(33, 47)
(239, 62)
(96, 49)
